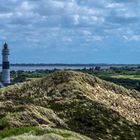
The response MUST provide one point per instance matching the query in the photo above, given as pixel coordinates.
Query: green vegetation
(133, 77)
(18, 131)
(65, 134)
(96, 120)
(73, 101)
(38, 131)
(3, 123)
(127, 76)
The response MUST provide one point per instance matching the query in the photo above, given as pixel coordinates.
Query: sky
(71, 31)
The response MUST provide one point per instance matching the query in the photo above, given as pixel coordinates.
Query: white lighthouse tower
(5, 65)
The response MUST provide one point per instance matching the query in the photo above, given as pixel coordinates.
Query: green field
(132, 77)
(128, 77)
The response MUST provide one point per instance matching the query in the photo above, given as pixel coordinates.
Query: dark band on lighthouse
(5, 65)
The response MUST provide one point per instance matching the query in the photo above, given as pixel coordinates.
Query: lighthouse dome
(5, 46)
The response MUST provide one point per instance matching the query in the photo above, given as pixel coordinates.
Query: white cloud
(132, 38)
(114, 5)
(25, 6)
(6, 15)
(75, 20)
(67, 39)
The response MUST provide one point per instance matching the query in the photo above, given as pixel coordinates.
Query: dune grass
(18, 131)
(71, 100)
(33, 132)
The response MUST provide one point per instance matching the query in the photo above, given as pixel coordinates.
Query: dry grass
(53, 101)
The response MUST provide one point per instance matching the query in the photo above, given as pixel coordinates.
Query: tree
(97, 68)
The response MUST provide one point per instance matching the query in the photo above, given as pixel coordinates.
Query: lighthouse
(5, 65)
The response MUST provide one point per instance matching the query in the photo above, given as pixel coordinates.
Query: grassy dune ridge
(40, 133)
(73, 101)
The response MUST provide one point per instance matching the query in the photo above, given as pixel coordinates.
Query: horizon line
(84, 64)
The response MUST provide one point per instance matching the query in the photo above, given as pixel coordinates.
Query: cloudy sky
(71, 31)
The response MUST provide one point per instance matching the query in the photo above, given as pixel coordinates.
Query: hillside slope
(73, 101)
(40, 133)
